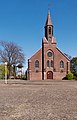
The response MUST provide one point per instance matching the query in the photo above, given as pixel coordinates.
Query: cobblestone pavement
(41, 100)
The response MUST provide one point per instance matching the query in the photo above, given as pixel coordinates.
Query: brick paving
(40, 100)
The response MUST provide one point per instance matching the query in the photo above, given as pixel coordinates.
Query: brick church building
(48, 62)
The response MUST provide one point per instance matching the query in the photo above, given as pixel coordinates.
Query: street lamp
(5, 72)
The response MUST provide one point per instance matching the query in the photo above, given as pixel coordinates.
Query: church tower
(48, 28)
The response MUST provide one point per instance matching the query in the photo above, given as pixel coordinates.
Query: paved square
(43, 100)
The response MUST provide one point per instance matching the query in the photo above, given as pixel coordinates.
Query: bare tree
(11, 53)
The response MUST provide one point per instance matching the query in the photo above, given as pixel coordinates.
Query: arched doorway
(49, 75)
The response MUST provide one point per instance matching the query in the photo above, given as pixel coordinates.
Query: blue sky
(22, 21)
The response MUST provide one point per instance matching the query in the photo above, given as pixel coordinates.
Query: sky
(23, 21)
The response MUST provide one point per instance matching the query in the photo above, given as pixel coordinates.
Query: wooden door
(49, 75)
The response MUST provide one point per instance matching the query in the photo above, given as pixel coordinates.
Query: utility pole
(5, 72)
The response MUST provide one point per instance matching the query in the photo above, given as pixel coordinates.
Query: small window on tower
(49, 30)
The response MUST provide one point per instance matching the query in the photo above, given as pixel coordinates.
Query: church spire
(48, 27)
(48, 21)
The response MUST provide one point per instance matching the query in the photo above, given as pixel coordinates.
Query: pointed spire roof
(48, 21)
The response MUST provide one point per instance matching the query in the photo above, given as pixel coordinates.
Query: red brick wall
(35, 73)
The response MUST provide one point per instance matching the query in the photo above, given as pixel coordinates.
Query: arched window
(61, 64)
(48, 65)
(37, 64)
(49, 30)
(51, 63)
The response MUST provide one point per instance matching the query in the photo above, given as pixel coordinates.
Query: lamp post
(5, 72)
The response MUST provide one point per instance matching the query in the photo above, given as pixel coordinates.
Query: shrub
(75, 74)
(69, 76)
(75, 77)
(23, 77)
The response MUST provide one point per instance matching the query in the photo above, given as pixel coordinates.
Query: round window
(49, 54)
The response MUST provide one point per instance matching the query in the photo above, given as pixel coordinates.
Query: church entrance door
(49, 75)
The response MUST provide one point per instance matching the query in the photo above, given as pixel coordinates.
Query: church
(49, 62)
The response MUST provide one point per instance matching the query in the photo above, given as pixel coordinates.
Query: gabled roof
(63, 54)
(48, 21)
(35, 53)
